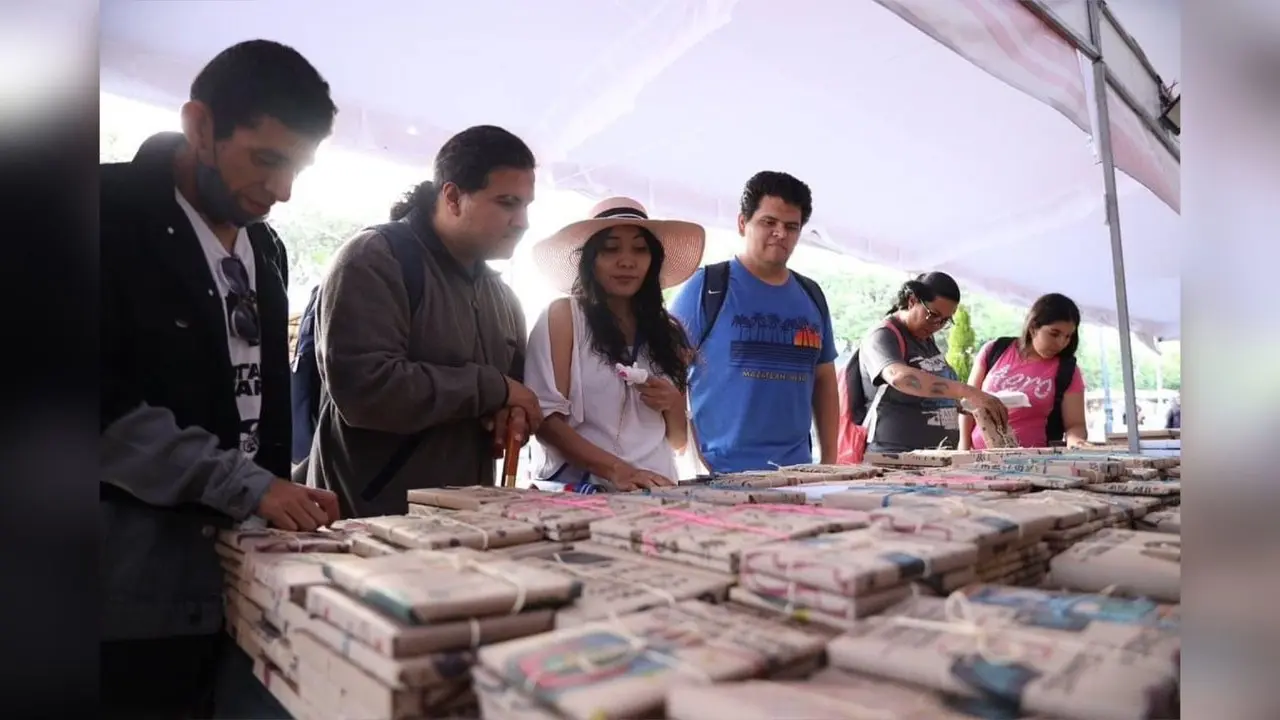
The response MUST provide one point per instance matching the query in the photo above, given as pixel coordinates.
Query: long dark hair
(925, 287)
(1047, 310)
(668, 346)
(421, 197)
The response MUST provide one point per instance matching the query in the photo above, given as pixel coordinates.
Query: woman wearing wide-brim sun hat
(608, 363)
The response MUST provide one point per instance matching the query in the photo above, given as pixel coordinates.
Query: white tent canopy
(917, 158)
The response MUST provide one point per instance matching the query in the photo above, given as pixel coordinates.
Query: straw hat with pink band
(682, 243)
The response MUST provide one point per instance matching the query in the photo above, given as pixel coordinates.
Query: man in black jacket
(195, 413)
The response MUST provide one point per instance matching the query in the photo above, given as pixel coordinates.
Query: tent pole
(1102, 138)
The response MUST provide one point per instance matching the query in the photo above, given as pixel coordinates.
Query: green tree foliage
(960, 344)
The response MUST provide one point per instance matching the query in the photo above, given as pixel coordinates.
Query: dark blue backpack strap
(304, 381)
(715, 284)
(409, 252)
(814, 291)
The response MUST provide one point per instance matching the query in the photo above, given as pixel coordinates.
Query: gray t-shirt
(904, 422)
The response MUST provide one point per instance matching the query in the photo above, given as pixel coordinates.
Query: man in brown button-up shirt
(422, 397)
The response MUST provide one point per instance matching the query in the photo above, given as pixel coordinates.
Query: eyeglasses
(242, 302)
(934, 318)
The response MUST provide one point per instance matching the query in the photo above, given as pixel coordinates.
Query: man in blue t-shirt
(766, 360)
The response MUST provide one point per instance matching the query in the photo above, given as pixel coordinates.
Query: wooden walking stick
(511, 457)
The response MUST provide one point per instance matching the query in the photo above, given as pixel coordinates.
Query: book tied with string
(830, 693)
(617, 582)
(834, 579)
(437, 529)
(423, 586)
(713, 536)
(568, 516)
(1129, 562)
(623, 668)
(1026, 662)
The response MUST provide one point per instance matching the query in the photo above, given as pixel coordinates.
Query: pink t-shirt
(1012, 372)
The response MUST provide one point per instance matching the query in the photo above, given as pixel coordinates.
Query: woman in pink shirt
(1041, 364)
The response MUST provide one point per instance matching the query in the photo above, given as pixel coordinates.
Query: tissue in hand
(632, 375)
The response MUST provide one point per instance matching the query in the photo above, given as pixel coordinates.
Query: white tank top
(602, 408)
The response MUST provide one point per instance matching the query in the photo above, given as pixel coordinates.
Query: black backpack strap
(1055, 427)
(714, 285)
(994, 351)
(853, 382)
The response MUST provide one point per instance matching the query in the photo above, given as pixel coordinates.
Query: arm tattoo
(912, 382)
(938, 389)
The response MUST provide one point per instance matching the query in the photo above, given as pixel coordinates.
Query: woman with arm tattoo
(915, 395)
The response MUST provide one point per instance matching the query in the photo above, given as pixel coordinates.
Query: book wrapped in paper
(1094, 467)
(811, 606)
(272, 540)
(905, 460)
(870, 497)
(285, 690)
(1037, 481)
(1095, 506)
(393, 638)
(259, 639)
(831, 695)
(958, 522)
(624, 668)
(947, 582)
(953, 479)
(1130, 506)
(1067, 610)
(949, 647)
(368, 546)
(343, 689)
(431, 670)
(1162, 521)
(423, 586)
(278, 607)
(962, 458)
(1012, 562)
(1128, 562)
(752, 479)
(836, 473)
(998, 607)
(461, 528)
(713, 536)
(568, 516)
(617, 582)
(470, 497)
(541, 549)
(501, 701)
(995, 431)
(1138, 487)
(853, 563)
(288, 574)
(726, 495)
